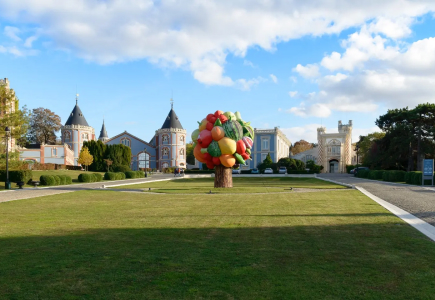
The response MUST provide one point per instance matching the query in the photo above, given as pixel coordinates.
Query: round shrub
(87, 177)
(120, 175)
(98, 177)
(140, 174)
(416, 178)
(65, 179)
(120, 168)
(47, 180)
(110, 176)
(131, 174)
(56, 179)
(62, 179)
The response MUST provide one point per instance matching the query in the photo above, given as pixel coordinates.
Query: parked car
(359, 169)
(352, 171)
(268, 171)
(237, 171)
(282, 170)
(255, 171)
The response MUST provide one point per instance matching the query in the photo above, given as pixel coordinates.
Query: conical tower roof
(172, 121)
(76, 117)
(103, 132)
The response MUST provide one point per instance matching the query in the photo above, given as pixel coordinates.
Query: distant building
(166, 149)
(76, 131)
(334, 150)
(268, 141)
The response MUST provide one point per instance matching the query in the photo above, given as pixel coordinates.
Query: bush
(349, 167)
(171, 170)
(110, 176)
(394, 176)
(416, 178)
(192, 171)
(120, 168)
(17, 175)
(47, 180)
(140, 174)
(408, 177)
(120, 176)
(65, 179)
(87, 177)
(362, 173)
(98, 177)
(131, 174)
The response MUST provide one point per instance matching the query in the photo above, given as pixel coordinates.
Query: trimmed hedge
(65, 179)
(134, 174)
(17, 175)
(47, 180)
(98, 177)
(87, 177)
(114, 176)
(362, 173)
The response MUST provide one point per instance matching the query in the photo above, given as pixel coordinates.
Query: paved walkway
(26, 193)
(417, 200)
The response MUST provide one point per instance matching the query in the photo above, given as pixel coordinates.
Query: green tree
(190, 158)
(268, 160)
(98, 151)
(13, 117)
(85, 158)
(43, 126)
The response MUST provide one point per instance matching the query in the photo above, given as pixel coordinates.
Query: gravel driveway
(417, 200)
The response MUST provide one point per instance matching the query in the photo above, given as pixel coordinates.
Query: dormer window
(126, 142)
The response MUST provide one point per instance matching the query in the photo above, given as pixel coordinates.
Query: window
(182, 140)
(142, 160)
(67, 137)
(165, 165)
(165, 151)
(85, 137)
(126, 142)
(264, 144)
(165, 138)
(54, 152)
(181, 153)
(334, 147)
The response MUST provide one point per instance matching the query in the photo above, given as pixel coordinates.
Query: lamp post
(7, 183)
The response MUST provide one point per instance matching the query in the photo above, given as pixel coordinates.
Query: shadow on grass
(377, 261)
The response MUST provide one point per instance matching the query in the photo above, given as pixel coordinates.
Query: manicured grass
(240, 185)
(115, 245)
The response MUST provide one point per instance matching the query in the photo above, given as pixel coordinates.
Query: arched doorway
(333, 166)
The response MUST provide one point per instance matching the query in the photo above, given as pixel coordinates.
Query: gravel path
(417, 200)
(27, 193)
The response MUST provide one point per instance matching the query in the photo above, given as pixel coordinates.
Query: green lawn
(37, 174)
(240, 185)
(116, 245)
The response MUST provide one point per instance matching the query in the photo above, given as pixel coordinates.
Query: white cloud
(246, 85)
(292, 93)
(274, 78)
(307, 132)
(377, 72)
(316, 110)
(29, 41)
(249, 64)
(198, 36)
(12, 33)
(309, 71)
(293, 79)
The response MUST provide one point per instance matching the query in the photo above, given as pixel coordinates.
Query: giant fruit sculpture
(222, 141)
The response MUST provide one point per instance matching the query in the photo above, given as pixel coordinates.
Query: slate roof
(172, 121)
(76, 117)
(103, 132)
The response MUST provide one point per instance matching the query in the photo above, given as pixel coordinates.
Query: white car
(236, 171)
(282, 170)
(268, 171)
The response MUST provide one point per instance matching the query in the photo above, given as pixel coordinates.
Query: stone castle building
(334, 150)
(76, 131)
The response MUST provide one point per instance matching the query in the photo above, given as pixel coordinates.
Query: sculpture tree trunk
(223, 177)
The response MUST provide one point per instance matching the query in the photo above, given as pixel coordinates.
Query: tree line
(406, 139)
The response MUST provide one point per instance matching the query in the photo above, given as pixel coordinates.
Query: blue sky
(292, 64)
